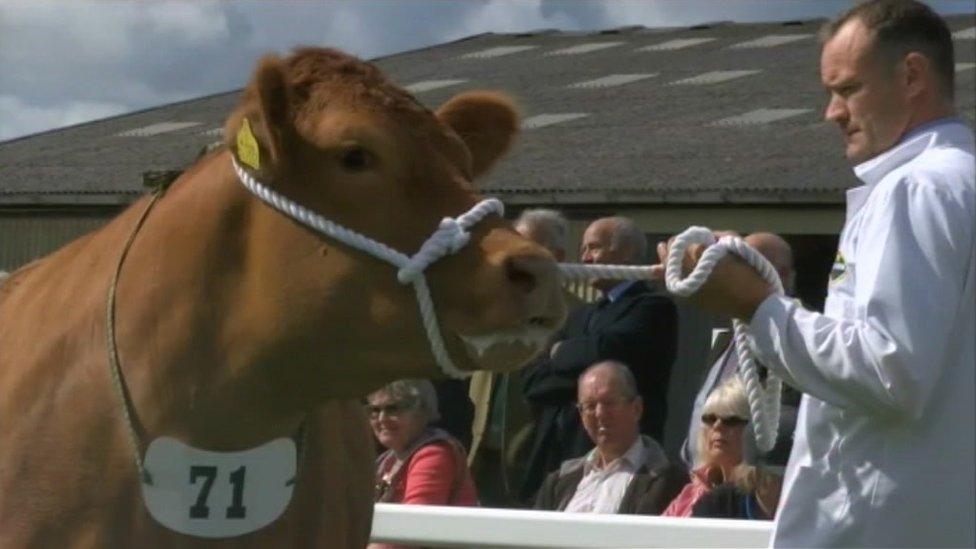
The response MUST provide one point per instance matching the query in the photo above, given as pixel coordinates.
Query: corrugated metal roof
(549, 119)
(714, 77)
(580, 49)
(771, 41)
(761, 116)
(428, 85)
(157, 128)
(612, 80)
(497, 51)
(676, 44)
(644, 142)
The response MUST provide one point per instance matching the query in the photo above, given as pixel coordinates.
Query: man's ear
(257, 131)
(917, 74)
(487, 122)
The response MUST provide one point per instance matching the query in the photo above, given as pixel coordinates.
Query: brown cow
(235, 325)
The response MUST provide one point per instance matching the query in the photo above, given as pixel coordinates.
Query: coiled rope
(764, 402)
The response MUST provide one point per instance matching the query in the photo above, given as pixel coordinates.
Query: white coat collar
(944, 131)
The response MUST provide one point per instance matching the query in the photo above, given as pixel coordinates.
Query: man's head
(780, 255)
(888, 67)
(613, 240)
(548, 228)
(610, 407)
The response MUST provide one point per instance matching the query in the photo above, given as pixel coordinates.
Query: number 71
(200, 510)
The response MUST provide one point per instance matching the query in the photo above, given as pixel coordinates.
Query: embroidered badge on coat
(218, 494)
(839, 268)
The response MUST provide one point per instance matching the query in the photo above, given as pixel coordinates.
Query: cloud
(63, 60)
(20, 118)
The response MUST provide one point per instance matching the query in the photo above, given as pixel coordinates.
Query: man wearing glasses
(626, 473)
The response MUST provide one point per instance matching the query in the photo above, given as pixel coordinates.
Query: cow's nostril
(521, 275)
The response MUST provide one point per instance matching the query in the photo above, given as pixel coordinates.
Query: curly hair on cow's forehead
(309, 67)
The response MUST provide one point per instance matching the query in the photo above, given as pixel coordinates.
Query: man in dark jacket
(631, 323)
(626, 473)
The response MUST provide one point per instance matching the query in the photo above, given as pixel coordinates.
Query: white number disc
(218, 494)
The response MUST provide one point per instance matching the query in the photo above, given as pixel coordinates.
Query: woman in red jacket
(422, 464)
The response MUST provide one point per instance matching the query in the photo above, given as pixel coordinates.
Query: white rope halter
(764, 403)
(450, 236)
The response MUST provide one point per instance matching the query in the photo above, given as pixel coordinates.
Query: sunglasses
(391, 410)
(732, 421)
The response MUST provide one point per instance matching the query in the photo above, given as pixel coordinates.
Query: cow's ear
(487, 122)
(257, 131)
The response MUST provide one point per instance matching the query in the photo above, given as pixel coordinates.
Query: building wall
(29, 235)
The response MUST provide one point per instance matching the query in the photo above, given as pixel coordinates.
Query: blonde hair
(729, 399)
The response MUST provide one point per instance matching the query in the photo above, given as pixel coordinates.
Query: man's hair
(900, 27)
(552, 224)
(620, 371)
(627, 233)
(415, 394)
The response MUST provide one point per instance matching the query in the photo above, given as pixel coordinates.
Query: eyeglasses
(732, 421)
(394, 409)
(588, 408)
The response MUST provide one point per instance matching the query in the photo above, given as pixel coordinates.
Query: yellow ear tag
(247, 146)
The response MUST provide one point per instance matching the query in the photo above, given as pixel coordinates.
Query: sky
(66, 62)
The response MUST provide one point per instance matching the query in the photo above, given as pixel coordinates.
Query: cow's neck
(197, 363)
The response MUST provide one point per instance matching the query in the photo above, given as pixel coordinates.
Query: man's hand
(734, 288)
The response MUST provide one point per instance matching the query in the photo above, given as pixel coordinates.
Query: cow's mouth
(505, 350)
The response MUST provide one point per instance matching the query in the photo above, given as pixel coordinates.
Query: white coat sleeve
(914, 250)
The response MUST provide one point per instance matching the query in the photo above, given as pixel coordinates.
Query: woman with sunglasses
(422, 464)
(721, 465)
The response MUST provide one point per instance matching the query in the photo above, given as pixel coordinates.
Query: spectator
(725, 363)
(632, 324)
(455, 409)
(721, 444)
(626, 473)
(422, 464)
(502, 429)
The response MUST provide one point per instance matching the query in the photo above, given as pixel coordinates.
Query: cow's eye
(356, 159)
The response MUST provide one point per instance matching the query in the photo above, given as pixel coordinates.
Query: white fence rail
(436, 526)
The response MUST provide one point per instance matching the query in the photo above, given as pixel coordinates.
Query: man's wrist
(752, 305)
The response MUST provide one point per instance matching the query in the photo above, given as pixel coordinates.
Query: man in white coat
(885, 445)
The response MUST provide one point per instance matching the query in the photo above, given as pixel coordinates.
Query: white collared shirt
(602, 488)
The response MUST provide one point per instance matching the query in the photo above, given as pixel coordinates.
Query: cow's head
(336, 136)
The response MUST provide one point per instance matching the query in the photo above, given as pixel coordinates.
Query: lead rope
(113, 353)
(450, 236)
(764, 402)
(128, 408)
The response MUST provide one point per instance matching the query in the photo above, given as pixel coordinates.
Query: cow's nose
(535, 278)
